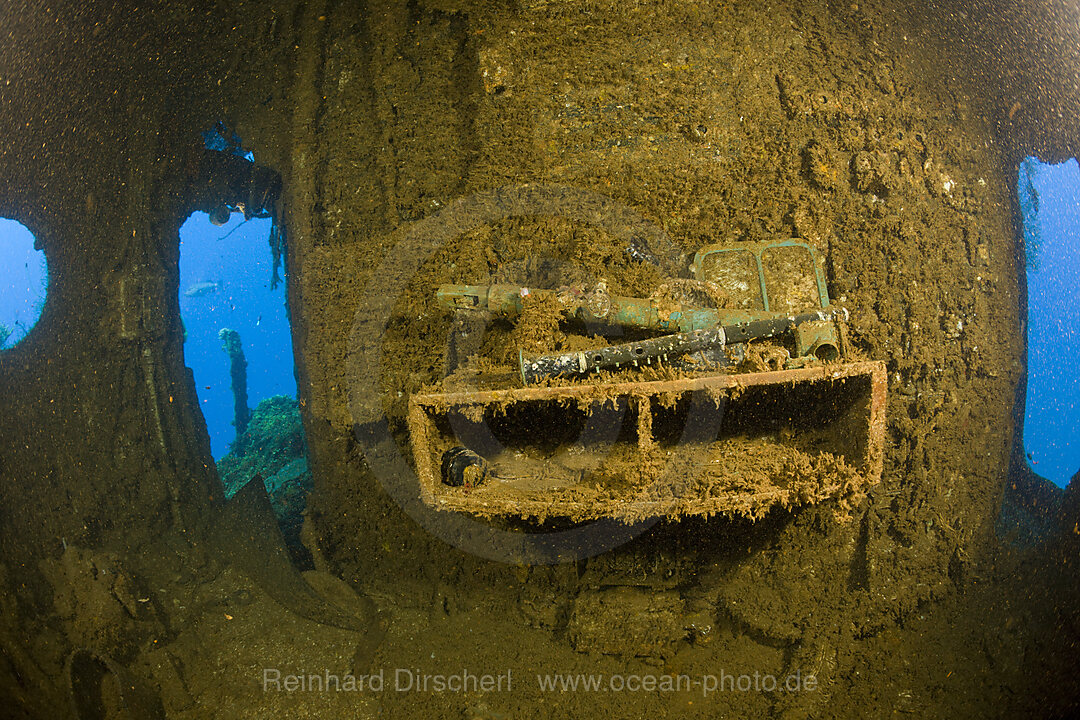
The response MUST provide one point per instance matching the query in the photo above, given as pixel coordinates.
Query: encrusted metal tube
(644, 352)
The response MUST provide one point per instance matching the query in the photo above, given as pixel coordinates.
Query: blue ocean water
(1052, 233)
(22, 280)
(225, 283)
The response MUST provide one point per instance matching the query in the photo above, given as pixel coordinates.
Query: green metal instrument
(771, 288)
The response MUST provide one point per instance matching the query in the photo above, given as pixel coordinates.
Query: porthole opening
(1049, 197)
(23, 282)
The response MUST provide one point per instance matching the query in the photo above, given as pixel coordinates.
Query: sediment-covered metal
(632, 450)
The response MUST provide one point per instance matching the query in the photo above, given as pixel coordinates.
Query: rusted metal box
(735, 444)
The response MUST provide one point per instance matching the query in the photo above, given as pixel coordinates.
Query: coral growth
(272, 446)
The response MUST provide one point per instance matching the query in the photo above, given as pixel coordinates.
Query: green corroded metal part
(818, 338)
(641, 313)
(777, 278)
(767, 289)
(498, 299)
(606, 309)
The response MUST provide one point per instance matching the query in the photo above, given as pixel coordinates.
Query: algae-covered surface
(604, 144)
(738, 476)
(628, 449)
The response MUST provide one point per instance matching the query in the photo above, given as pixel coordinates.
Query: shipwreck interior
(597, 145)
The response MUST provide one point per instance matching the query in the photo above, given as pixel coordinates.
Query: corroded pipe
(595, 307)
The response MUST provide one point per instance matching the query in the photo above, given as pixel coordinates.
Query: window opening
(1049, 198)
(237, 338)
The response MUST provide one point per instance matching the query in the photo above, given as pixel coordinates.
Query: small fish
(259, 321)
(201, 289)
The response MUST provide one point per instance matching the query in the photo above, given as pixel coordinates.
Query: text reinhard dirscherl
(465, 681)
(399, 680)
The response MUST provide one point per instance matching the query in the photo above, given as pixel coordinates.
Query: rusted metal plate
(735, 444)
